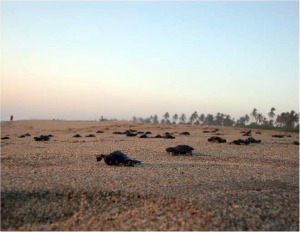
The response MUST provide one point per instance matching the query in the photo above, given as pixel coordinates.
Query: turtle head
(99, 157)
(170, 149)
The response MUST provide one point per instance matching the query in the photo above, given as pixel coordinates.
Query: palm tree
(147, 120)
(202, 118)
(220, 119)
(155, 119)
(292, 118)
(166, 117)
(175, 118)
(209, 120)
(228, 121)
(271, 115)
(280, 120)
(254, 114)
(182, 118)
(242, 120)
(247, 118)
(265, 121)
(193, 117)
(287, 119)
(260, 118)
(151, 119)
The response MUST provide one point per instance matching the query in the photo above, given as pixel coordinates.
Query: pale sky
(81, 60)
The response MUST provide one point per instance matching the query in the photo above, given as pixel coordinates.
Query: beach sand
(58, 185)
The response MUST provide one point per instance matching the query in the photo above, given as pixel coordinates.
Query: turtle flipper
(132, 162)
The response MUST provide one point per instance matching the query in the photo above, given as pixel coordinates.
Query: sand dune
(58, 185)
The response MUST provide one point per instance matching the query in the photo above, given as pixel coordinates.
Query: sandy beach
(58, 185)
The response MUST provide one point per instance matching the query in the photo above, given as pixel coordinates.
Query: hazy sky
(81, 60)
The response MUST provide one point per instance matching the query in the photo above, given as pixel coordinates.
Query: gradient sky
(81, 60)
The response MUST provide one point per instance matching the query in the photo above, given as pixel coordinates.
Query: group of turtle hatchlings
(119, 158)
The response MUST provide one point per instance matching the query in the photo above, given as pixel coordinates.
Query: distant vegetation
(285, 121)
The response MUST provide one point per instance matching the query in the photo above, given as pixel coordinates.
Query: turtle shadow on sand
(167, 165)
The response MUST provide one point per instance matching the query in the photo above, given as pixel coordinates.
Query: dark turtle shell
(131, 134)
(117, 158)
(247, 133)
(252, 140)
(25, 135)
(246, 141)
(180, 150)
(278, 136)
(42, 138)
(144, 136)
(185, 133)
(239, 142)
(90, 136)
(216, 139)
(167, 135)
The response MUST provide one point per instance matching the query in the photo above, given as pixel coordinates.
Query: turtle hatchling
(180, 150)
(117, 158)
(167, 135)
(216, 139)
(42, 138)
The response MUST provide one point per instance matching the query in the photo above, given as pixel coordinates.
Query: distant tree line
(283, 120)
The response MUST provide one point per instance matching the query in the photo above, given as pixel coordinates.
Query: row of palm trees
(286, 119)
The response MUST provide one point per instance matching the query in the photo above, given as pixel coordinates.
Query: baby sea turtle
(239, 142)
(278, 136)
(247, 133)
(90, 135)
(252, 140)
(24, 135)
(216, 139)
(117, 158)
(185, 133)
(246, 141)
(144, 136)
(5, 137)
(42, 138)
(157, 136)
(77, 136)
(180, 150)
(100, 132)
(167, 135)
(118, 133)
(131, 134)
